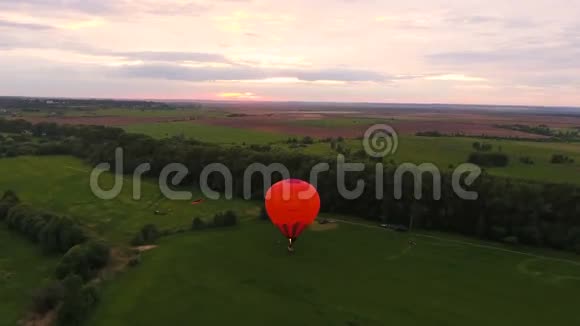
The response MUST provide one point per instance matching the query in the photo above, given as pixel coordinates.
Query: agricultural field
(340, 122)
(23, 269)
(340, 275)
(206, 133)
(446, 152)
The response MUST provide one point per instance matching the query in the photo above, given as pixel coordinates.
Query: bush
(264, 214)
(134, 261)
(54, 233)
(429, 134)
(512, 240)
(261, 148)
(10, 195)
(83, 260)
(8, 200)
(488, 159)
(148, 235)
(197, 224)
(530, 235)
(498, 232)
(574, 239)
(526, 160)
(307, 140)
(60, 234)
(47, 298)
(77, 302)
(482, 147)
(576, 248)
(560, 159)
(229, 218)
(138, 240)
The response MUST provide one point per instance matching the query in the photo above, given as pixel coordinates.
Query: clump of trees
(561, 159)
(224, 219)
(260, 148)
(482, 147)
(526, 160)
(8, 200)
(47, 298)
(146, 236)
(429, 134)
(488, 159)
(78, 299)
(84, 260)
(306, 140)
(544, 130)
(198, 224)
(53, 233)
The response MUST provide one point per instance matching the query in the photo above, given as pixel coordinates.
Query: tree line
(507, 209)
(70, 292)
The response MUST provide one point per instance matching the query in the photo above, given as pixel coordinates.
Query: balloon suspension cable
(290, 245)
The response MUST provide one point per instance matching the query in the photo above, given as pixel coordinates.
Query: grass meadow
(446, 152)
(341, 274)
(345, 275)
(23, 269)
(116, 220)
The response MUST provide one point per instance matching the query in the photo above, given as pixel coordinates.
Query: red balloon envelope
(292, 205)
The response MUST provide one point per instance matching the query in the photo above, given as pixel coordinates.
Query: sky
(430, 51)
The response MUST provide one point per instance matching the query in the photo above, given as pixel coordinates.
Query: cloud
(85, 6)
(455, 77)
(115, 7)
(477, 20)
(107, 7)
(553, 57)
(245, 73)
(10, 43)
(170, 56)
(29, 26)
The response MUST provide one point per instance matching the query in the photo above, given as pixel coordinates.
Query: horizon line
(234, 101)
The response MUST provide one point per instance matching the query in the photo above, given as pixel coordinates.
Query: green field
(342, 274)
(23, 269)
(205, 133)
(118, 219)
(451, 151)
(444, 152)
(351, 275)
(122, 112)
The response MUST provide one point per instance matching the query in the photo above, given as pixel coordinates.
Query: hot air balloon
(292, 205)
